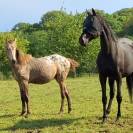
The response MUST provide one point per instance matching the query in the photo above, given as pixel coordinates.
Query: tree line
(58, 32)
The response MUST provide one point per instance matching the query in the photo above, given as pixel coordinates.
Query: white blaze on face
(85, 39)
(11, 50)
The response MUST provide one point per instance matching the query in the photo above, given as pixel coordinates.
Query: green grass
(45, 103)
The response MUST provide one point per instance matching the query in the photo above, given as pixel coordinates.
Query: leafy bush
(58, 32)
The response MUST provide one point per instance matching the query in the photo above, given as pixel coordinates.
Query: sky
(30, 11)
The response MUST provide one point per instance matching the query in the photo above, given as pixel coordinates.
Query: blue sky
(30, 11)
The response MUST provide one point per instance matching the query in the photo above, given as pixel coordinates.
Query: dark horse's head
(92, 28)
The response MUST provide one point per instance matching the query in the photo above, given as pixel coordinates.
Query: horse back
(125, 54)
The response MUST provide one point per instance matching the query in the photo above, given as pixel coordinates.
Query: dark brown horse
(27, 69)
(114, 61)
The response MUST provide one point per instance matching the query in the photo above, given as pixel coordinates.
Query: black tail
(129, 81)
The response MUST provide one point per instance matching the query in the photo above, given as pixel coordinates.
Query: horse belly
(39, 80)
(106, 65)
(42, 75)
(125, 63)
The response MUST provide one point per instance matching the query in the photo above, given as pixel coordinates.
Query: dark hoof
(60, 112)
(23, 112)
(28, 112)
(26, 115)
(118, 118)
(69, 110)
(104, 120)
(107, 112)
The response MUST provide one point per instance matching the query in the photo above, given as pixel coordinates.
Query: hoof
(104, 120)
(26, 115)
(60, 112)
(28, 112)
(22, 113)
(69, 110)
(118, 118)
(107, 112)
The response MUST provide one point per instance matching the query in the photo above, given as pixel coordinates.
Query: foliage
(58, 32)
(128, 28)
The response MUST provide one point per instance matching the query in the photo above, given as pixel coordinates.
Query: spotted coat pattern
(42, 70)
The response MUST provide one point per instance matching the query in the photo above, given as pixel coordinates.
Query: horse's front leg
(103, 80)
(119, 96)
(112, 92)
(24, 97)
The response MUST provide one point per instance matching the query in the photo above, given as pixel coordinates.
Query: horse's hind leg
(62, 92)
(119, 96)
(68, 100)
(112, 91)
(103, 79)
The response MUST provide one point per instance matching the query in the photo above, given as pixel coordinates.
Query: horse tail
(129, 81)
(73, 64)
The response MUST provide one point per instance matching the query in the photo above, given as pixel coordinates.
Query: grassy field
(45, 102)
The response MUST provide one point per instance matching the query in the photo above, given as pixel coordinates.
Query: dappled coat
(42, 70)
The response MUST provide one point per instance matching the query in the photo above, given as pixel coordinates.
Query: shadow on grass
(39, 124)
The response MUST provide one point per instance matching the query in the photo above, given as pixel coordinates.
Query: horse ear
(93, 12)
(88, 12)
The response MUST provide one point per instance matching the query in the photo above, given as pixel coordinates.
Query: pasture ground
(45, 102)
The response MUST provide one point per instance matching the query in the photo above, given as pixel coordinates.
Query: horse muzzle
(83, 41)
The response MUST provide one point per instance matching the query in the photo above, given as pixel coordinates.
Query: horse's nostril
(81, 42)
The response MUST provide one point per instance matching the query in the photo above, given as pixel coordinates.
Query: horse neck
(108, 42)
(23, 59)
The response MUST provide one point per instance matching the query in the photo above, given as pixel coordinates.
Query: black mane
(109, 34)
